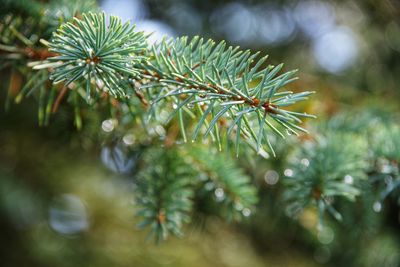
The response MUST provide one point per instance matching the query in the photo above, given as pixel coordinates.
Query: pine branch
(234, 193)
(199, 72)
(165, 188)
(227, 88)
(380, 129)
(332, 166)
(385, 144)
(20, 25)
(89, 49)
(164, 193)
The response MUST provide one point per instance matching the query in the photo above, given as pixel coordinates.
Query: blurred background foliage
(66, 201)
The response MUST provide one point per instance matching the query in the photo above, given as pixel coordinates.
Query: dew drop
(209, 186)
(219, 193)
(129, 139)
(271, 177)
(246, 212)
(348, 179)
(377, 207)
(288, 172)
(90, 51)
(108, 125)
(305, 162)
(238, 206)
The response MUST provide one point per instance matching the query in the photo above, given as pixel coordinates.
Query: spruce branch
(332, 166)
(385, 145)
(171, 179)
(224, 83)
(88, 48)
(234, 95)
(233, 190)
(386, 142)
(164, 193)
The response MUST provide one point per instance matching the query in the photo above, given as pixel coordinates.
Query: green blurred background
(64, 201)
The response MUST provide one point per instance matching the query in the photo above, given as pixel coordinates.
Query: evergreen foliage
(164, 193)
(169, 181)
(88, 47)
(219, 81)
(199, 88)
(386, 160)
(327, 169)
